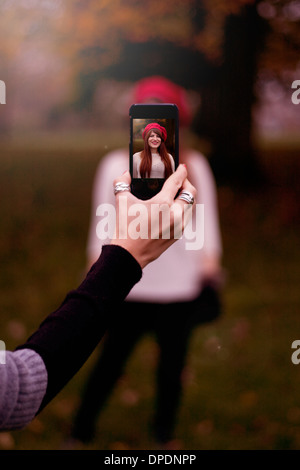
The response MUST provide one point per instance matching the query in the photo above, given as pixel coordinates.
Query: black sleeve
(67, 337)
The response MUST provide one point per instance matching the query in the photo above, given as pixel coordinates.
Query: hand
(141, 229)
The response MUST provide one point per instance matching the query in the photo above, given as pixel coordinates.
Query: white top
(176, 275)
(157, 169)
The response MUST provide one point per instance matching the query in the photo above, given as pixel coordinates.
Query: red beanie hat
(164, 90)
(155, 125)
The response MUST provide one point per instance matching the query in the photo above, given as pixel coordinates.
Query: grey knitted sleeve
(23, 383)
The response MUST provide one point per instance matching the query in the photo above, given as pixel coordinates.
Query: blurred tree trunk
(226, 113)
(227, 89)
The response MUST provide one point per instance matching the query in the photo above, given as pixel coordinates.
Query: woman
(154, 161)
(172, 299)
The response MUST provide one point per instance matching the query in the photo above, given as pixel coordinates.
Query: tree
(212, 46)
(227, 100)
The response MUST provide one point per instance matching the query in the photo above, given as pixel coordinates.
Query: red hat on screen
(162, 89)
(155, 125)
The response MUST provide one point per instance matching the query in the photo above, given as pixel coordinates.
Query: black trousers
(172, 325)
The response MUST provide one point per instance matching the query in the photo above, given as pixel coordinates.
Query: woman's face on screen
(154, 140)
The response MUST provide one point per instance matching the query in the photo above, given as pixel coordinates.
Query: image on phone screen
(153, 149)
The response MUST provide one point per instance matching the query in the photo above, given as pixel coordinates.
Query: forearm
(69, 335)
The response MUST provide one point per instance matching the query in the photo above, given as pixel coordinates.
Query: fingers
(187, 186)
(122, 184)
(125, 178)
(177, 181)
(189, 190)
(173, 184)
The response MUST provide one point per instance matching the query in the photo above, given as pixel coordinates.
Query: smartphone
(154, 146)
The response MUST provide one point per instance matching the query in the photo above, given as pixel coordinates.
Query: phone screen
(153, 147)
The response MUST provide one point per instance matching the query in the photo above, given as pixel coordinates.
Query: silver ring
(120, 187)
(187, 197)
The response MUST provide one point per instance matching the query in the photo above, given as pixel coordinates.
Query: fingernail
(124, 172)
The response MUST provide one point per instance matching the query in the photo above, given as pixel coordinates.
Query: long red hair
(146, 157)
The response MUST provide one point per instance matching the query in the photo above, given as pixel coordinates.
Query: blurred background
(69, 70)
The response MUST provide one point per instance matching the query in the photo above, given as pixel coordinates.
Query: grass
(240, 386)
